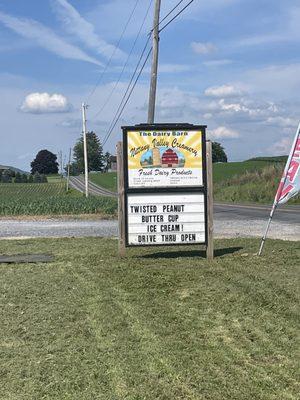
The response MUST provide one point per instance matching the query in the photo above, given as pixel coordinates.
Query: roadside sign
(169, 218)
(164, 156)
(163, 196)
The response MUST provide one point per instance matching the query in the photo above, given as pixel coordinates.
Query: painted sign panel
(159, 219)
(165, 158)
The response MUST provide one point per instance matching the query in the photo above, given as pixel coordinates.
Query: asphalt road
(284, 214)
(222, 211)
(77, 182)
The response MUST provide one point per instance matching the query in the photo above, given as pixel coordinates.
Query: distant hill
(270, 159)
(3, 167)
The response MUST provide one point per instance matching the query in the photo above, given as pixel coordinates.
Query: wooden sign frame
(125, 190)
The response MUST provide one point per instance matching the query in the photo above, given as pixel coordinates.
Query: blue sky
(233, 65)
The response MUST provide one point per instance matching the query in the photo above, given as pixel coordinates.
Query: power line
(176, 15)
(166, 16)
(133, 75)
(128, 97)
(113, 124)
(121, 107)
(125, 64)
(121, 74)
(99, 81)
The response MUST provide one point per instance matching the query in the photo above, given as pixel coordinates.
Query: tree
(6, 176)
(37, 178)
(30, 179)
(218, 153)
(18, 178)
(73, 169)
(45, 162)
(95, 153)
(107, 161)
(44, 178)
(24, 178)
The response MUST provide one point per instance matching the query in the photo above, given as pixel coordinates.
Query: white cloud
(284, 122)
(173, 68)
(245, 109)
(170, 68)
(217, 63)
(44, 103)
(282, 80)
(174, 101)
(223, 91)
(203, 48)
(75, 24)
(223, 133)
(45, 38)
(235, 107)
(282, 147)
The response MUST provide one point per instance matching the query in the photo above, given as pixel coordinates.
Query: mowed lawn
(159, 324)
(107, 180)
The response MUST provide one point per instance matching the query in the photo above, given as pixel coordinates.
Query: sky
(233, 65)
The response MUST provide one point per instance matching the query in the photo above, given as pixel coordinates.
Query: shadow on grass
(191, 253)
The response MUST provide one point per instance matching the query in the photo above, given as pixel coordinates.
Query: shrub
(256, 186)
(6, 177)
(24, 178)
(44, 178)
(37, 178)
(18, 178)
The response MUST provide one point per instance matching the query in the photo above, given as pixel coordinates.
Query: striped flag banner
(290, 182)
(289, 185)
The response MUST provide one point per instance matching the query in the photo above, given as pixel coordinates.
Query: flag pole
(267, 228)
(278, 194)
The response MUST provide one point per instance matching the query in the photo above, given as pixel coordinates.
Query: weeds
(252, 186)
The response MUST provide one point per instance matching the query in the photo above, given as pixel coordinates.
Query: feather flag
(290, 182)
(289, 185)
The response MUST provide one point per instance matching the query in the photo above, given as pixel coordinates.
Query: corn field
(50, 199)
(11, 191)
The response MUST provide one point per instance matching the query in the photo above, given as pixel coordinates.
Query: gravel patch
(224, 228)
(245, 229)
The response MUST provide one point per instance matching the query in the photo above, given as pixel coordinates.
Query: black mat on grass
(26, 258)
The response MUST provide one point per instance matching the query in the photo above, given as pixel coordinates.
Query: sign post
(121, 200)
(165, 186)
(210, 208)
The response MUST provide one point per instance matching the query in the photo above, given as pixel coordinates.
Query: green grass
(257, 186)
(156, 325)
(225, 171)
(221, 172)
(106, 180)
(50, 199)
(274, 159)
(54, 178)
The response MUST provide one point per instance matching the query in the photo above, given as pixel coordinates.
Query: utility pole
(155, 49)
(86, 171)
(61, 163)
(69, 165)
